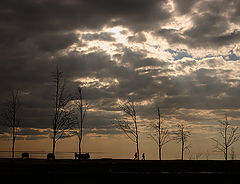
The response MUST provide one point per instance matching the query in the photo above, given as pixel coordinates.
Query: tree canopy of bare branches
(81, 106)
(10, 116)
(130, 128)
(162, 134)
(228, 136)
(63, 118)
(181, 136)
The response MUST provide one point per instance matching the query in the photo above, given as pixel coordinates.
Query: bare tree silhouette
(181, 136)
(63, 118)
(10, 116)
(130, 128)
(228, 136)
(161, 136)
(82, 107)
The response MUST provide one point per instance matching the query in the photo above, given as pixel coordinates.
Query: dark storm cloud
(211, 24)
(208, 30)
(95, 64)
(55, 15)
(171, 35)
(106, 121)
(184, 6)
(235, 13)
(200, 36)
(100, 66)
(29, 134)
(35, 78)
(27, 131)
(139, 38)
(33, 34)
(140, 59)
(54, 42)
(33, 31)
(199, 90)
(30, 28)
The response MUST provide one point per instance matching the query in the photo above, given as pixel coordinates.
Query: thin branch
(124, 126)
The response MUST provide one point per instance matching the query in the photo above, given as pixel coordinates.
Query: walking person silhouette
(135, 156)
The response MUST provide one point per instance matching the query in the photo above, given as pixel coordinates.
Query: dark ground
(119, 170)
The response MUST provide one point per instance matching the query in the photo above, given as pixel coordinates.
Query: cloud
(162, 53)
(31, 131)
(184, 6)
(139, 37)
(36, 137)
(56, 41)
(212, 24)
(184, 83)
(104, 36)
(202, 35)
(42, 16)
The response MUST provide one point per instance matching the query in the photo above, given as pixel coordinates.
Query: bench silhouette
(25, 155)
(82, 156)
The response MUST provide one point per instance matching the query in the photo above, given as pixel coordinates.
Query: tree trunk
(160, 152)
(14, 127)
(226, 153)
(79, 146)
(13, 147)
(225, 138)
(56, 109)
(54, 143)
(81, 132)
(159, 135)
(82, 114)
(182, 149)
(135, 121)
(137, 147)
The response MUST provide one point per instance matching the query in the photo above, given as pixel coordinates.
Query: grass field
(118, 168)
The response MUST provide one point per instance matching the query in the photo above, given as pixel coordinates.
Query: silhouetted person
(135, 156)
(76, 155)
(143, 156)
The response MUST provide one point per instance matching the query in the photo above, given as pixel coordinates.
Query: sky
(180, 55)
